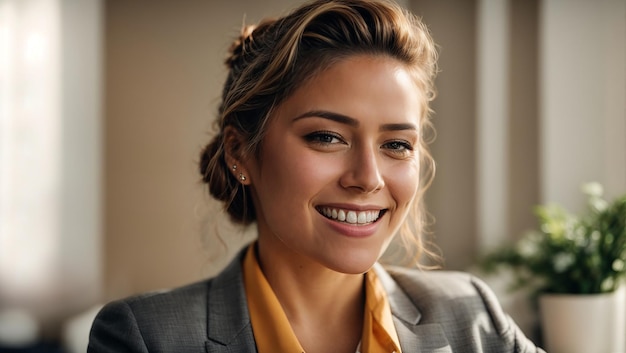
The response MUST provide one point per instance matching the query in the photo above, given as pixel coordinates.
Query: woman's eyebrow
(340, 118)
(397, 127)
(344, 119)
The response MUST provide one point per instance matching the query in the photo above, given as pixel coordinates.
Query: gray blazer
(433, 311)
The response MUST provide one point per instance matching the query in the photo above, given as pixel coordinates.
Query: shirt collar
(379, 332)
(271, 328)
(273, 332)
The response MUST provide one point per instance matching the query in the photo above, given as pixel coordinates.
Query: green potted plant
(573, 263)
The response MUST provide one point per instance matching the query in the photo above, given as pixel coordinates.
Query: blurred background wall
(532, 103)
(51, 164)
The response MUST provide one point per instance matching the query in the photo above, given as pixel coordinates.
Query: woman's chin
(353, 264)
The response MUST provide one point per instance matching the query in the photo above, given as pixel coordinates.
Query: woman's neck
(324, 307)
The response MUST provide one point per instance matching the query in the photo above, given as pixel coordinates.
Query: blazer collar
(414, 335)
(228, 320)
(229, 329)
(401, 305)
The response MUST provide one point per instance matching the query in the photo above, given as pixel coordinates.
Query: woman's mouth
(351, 216)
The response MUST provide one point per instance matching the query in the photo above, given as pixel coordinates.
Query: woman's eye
(323, 137)
(398, 146)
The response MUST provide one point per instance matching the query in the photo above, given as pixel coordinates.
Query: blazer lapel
(414, 336)
(228, 326)
(229, 329)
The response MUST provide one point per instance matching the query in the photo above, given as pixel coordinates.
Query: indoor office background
(105, 106)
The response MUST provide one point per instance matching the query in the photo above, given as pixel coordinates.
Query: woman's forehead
(359, 86)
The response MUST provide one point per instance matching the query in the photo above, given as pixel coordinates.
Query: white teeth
(352, 217)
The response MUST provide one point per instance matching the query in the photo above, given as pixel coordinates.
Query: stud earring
(242, 177)
(234, 167)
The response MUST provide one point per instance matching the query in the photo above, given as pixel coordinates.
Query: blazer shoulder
(466, 309)
(447, 283)
(185, 306)
(193, 318)
(437, 291)
(192, 295)
(154, 321)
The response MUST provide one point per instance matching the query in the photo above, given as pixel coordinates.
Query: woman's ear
(234, 154)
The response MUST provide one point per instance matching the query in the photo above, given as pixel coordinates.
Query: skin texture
(347, 139)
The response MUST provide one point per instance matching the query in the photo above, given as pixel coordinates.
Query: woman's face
(339, 165)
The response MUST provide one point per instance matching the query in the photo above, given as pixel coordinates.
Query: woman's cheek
(404, 176)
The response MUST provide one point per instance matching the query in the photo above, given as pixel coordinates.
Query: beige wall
(523, 129)
(452, 197)
(583, 90)
(163, 77)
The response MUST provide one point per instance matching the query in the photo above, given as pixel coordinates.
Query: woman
(321, 143)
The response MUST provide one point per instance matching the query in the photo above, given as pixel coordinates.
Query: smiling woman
(331, 146)
(322, 142)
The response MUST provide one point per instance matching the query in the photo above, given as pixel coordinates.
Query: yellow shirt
(273, 333)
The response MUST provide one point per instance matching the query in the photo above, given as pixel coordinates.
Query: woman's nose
(363, 171)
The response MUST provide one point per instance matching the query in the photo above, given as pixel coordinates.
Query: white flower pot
(584, 323)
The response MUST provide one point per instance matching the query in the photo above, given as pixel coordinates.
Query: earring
(234, 167)
(242, 177)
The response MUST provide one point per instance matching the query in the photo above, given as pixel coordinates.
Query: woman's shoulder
(442, 291)
(166, 304)
(169, 320)
(151, 321)
(461, 304)
(159, 302)
(443, 284)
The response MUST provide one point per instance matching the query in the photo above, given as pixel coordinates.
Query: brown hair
(271, 60)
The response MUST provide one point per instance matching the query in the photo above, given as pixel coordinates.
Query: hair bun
(238, 48)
